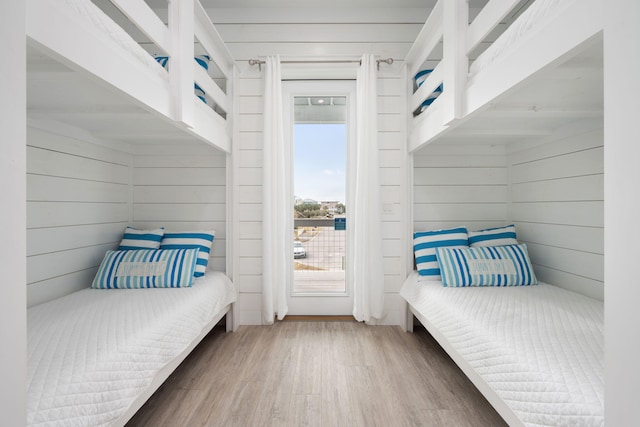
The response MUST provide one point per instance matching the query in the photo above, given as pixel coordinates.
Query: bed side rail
(443, 91)
(188, 22)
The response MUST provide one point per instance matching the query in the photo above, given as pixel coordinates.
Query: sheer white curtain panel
(277, 215)
(368, 273)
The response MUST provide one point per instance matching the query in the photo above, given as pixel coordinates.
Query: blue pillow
(201, 240)
(499, 236)
(486, 266)
(146, 268)
(425, 244)
(141, 239)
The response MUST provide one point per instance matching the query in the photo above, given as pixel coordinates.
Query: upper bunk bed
(480, 80)
(131, 80)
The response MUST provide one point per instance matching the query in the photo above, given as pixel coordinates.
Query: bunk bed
(473, 90)
(535, 352)
(113, 73)
(77, 35)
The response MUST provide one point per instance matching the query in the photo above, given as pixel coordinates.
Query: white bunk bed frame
(465, 95)
(52, 29)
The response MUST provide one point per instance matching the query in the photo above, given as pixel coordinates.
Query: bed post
(181, 74)
(455, 60)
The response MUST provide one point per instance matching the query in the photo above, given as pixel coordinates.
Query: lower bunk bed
(95, 356)
(535, 352)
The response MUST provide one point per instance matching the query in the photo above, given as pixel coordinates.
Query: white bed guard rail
(80, 46)
(561, 26)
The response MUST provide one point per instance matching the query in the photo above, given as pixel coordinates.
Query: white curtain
(276, 215)
(368, 273)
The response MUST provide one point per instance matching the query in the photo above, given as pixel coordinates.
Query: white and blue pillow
(486, 266)
(146, 268)
(201, 240)
(499, 236)
(202, 60)
(425, 244)
(141, 239)
(419, 78)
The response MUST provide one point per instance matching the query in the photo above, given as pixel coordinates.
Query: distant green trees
(315, 210)
(309, 210)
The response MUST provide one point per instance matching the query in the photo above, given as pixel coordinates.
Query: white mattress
(92, 352)
(86, 10)
(540, 12)
(539, 347)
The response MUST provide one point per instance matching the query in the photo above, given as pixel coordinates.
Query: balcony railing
(324, 245)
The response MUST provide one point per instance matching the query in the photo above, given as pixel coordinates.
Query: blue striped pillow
(202, 60)
(425, 244)
(201, 240)
(486, 266)
(141, 239)
(146, 268)
(499, 236)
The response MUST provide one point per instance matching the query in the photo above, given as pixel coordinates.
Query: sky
(319, 161)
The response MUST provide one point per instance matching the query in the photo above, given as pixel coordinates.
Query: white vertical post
(13, 256)
(621, 212)
(455, 60)
(181, 75)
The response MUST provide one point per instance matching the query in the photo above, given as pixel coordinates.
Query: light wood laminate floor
(317, 374)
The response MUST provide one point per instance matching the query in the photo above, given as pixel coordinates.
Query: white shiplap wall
(248, 194)
(460, 185)
(557, 204)
(182, 187)
(78, 204)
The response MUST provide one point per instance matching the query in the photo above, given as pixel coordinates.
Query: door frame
(319, 304)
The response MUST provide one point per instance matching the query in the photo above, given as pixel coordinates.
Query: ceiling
(330, 29)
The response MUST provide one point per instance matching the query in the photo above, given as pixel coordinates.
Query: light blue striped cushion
(201, 240)
(146, 268)
(500, 236)
(425, 244)
(141, 239)
(486, 266)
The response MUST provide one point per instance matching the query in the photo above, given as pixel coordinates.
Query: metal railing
(324, 246)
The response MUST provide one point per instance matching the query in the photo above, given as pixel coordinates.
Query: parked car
(298, 250)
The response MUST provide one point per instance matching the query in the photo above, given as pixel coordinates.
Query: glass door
(320, 131)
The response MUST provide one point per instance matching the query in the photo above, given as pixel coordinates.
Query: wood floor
(317, 374)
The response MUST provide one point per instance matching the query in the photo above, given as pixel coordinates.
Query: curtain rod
(259, 62)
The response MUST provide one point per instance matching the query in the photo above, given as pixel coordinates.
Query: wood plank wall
(557, 204)
(182, 188)
(460, 185)
(77, 207)
(248, 190)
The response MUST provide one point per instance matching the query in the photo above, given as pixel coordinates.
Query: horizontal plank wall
(557, 204)
(248, 193)
(248, 197)
(394, 181)
(182, 188)
(78, 203)
(460, 185)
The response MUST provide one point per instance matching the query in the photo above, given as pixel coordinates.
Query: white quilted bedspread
(539, 347)
(92, 352)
